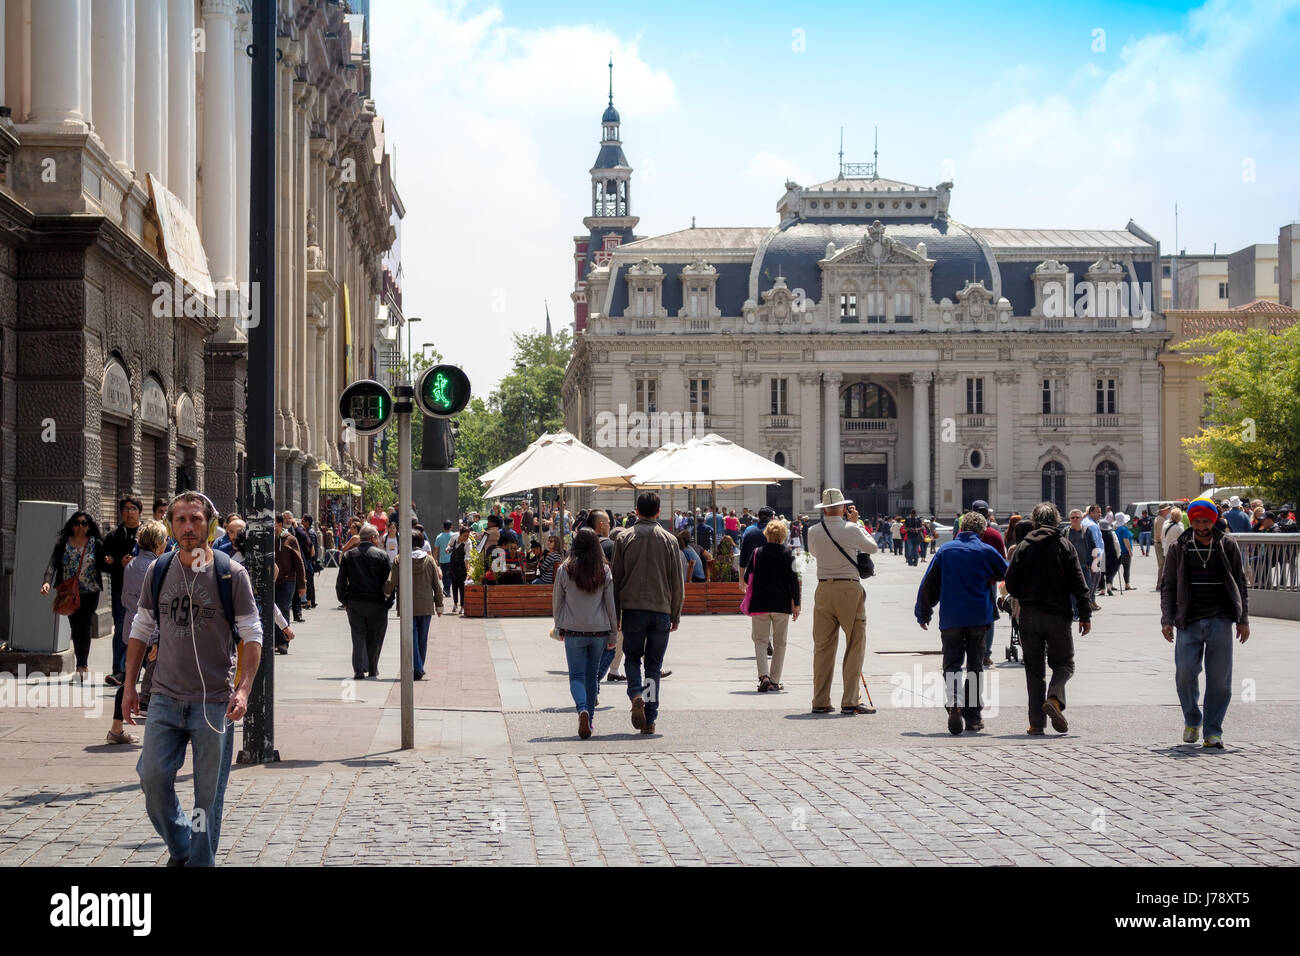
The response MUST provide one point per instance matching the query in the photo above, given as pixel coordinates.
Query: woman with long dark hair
(79, 552)
(583, 603)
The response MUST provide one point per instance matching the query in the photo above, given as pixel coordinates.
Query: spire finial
(611, 77)
(875, 153)
(841, 152)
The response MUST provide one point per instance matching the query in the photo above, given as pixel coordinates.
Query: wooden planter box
(534, 600)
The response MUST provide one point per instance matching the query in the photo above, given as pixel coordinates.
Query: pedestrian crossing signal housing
(367, 405)
(442, 391)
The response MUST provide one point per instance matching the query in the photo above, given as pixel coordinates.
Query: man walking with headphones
(203, 604)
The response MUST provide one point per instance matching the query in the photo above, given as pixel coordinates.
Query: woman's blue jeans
(584, 664)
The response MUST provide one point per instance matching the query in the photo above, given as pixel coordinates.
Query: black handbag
(866, 567)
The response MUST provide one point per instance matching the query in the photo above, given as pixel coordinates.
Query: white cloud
(1163, 120)
(487, 119)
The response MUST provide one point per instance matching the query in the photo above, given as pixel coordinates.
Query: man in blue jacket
(960, 580)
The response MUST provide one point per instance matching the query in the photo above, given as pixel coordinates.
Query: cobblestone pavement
(730, 778)
(992, 805)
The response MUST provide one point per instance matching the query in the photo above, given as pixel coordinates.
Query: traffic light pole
(259, 428)
(402, 408)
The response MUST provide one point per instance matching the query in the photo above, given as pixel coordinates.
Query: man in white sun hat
(1238, 520)
(840, 602)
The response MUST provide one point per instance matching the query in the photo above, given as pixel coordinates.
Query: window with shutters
(780, 396)
(849, 307)
(1106, 396)
(699, 396)
(974, 396)
(1052, 396)
(645, 395)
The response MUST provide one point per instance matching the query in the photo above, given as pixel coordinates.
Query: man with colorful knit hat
(1202, 595)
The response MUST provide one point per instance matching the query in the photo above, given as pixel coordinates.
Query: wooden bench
(534, 600)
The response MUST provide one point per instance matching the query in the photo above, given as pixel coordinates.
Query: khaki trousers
(838, 605)
(776, 625)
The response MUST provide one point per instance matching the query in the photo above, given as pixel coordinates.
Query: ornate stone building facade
(870, 341)
(124, 189)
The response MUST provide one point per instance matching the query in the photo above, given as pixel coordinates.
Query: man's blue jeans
(445, 571)
(173, 724)
(421, 641)
(645, 634)
(583, 654)
(910, 546)
(1210, 638)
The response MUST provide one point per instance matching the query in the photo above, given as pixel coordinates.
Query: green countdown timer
(367, 406)
(442, 391)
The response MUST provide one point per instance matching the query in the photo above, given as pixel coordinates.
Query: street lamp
(410, 366)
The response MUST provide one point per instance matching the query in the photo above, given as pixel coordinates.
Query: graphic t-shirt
(196, 652)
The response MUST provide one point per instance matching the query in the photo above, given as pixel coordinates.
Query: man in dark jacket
(960, 580)
(1202, 594)
(1046, 580)
(753, 536)
(305, 589)
(648, 592)
(119, 546)
(363, 572)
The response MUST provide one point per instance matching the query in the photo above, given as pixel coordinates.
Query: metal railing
(1272, 561)
(868, 424)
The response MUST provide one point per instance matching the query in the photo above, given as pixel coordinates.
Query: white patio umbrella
(559, 460)
(709, 462)
(493, 474)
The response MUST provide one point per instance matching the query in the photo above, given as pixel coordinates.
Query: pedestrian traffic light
(367, 405)
(443, 391)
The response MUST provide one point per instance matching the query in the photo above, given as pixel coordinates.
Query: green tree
(376, 490)
(1251, 433)
(527, 402)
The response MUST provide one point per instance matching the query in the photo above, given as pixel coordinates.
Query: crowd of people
(187, 631)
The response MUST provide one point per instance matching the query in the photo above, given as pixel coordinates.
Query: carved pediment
(876, 249)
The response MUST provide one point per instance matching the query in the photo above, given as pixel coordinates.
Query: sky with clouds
(1047, 115)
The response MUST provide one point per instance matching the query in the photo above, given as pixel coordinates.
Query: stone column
(113, 67)
(832, 459)
(947, 496)
(83, 52)
(219, 149)
(151, 89)
(243, 68)
(921, 441)
(56, 65)
(285, 240)
(808, 432)
(182, 134)
(1005, 422)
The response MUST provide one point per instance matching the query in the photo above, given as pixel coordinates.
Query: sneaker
(584, 725)
(770, 650)
(638, 713)
(125, 738)
(955, 724)
(1052, 708)
(975, 725)
(1212, 742)
(988, 662)
(114, 680)
(1190, 734)
(613, 678)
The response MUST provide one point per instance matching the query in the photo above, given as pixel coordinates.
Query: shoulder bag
(67, 594)
(866, 567)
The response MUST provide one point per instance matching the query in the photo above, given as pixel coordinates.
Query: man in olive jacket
(1202, 595)
(648, 592)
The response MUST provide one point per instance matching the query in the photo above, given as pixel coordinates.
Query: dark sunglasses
(81, 524)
